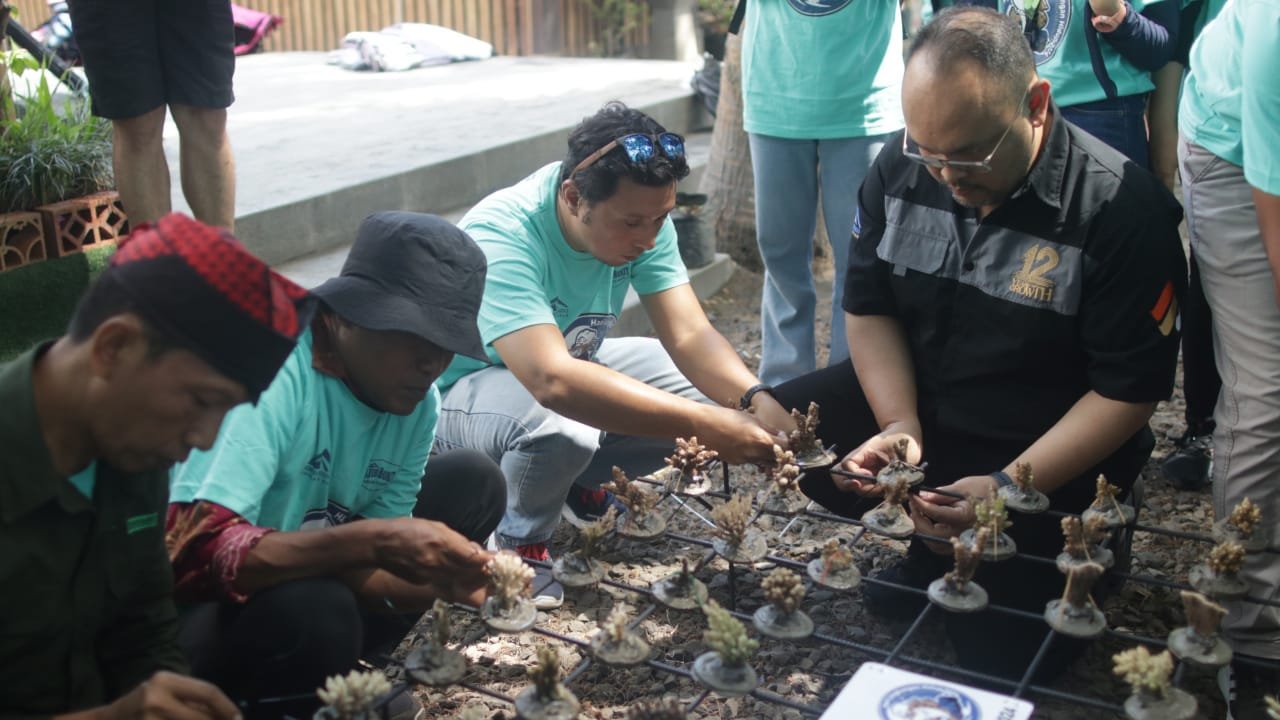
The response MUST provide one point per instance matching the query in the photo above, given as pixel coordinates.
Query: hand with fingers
(740, 437)
(857, 471)
(169, 696)
(949, 511)
(426, 551)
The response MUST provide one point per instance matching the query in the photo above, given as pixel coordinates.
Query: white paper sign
(880, 692)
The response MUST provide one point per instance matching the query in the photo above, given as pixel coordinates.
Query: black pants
(1200, 381)
(991, 642)
(288, 638)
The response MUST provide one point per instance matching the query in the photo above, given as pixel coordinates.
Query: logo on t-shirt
(1031, 281)
(1044, 22)
(585, 333)
(814, 8)
(317, 468)
(621, 274)
(330, 515)
(379, 474)
(559, 308)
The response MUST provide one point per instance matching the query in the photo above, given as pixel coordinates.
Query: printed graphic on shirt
(1031, 281)
(622, 274)
(317, 469)
(379, 474)
(857, 223)
(1044, 22)
(585, 334)
(1165, 311)
(559, 308)
(329, 516)
(815, 8)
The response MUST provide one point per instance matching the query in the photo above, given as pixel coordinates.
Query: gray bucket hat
(415, 273)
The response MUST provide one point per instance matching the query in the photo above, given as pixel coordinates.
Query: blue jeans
(542, 453)
(788, 175)
(1120, 123)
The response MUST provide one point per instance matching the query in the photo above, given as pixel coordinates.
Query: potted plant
(55, 174)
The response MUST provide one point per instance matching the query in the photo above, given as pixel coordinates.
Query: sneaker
(1245, 688)
(584, 506)
(548, 593)
(1188, 467)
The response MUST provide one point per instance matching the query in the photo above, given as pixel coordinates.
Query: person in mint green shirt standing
(820, 92)
(564, 245)
(1229, 120)
(305, 537)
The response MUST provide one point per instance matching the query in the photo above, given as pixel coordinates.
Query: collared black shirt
(85, 586)
(1072, 284)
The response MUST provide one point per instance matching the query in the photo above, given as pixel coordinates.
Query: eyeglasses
(639, 148)
(970, 166)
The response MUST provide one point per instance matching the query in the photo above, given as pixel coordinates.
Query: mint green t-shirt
(311, 455)
(535, 278)
(1061, 50)
(1231, 100)
(822, 69)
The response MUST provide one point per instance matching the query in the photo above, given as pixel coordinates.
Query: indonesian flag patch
(1165, 311)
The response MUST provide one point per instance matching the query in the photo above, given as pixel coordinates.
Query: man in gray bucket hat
(337, 447)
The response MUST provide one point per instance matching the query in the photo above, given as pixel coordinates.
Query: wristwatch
(1002, 478)
(745, 402)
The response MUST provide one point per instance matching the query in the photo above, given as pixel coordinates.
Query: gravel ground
(809, 673)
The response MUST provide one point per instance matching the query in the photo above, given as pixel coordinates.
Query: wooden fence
(515, 27)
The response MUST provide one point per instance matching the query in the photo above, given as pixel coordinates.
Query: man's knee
(465, 490)
(140, 131)
(206, 125)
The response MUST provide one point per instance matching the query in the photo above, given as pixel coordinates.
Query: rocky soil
(808, 673)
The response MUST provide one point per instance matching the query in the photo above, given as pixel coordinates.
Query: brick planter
(72, 226)
(22, 239)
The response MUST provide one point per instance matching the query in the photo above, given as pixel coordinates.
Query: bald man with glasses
(1012, 297)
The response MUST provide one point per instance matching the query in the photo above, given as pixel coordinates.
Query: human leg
(141, 171)
(786, 191)
(282, 643)
(206, 164)
(842, 165)
(539, 451)
(197, 46)
(1188, 466)
(1223, 228)
(465, 490)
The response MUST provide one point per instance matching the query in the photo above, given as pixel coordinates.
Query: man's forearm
(603, 398)
(713, 366)
(1091, 430)
(882, 361)
(284, 556)
(381, 591)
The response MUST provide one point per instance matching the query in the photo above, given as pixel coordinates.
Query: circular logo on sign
(1045, 25)
(815, 8)
(924, 701)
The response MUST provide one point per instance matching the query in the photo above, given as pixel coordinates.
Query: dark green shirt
(86, 608)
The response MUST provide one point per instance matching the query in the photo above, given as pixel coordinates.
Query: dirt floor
(809, 673)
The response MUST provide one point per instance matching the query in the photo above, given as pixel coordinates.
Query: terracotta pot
(22, 240)
(71, 226)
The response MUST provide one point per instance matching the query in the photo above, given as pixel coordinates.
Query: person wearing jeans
(1230, 165)
(820, 93)
(564, 245)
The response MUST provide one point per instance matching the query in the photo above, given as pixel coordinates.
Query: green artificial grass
(37, 300)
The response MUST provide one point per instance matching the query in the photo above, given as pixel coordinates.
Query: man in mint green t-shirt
(1229, 120)
(563, 246)
(311, 513)
(820, 92)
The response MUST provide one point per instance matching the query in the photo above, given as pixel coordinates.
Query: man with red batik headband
(182, 326)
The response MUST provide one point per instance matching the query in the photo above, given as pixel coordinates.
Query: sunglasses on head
(639, 148)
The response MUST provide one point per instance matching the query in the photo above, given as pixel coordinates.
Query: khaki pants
(1223, 227)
